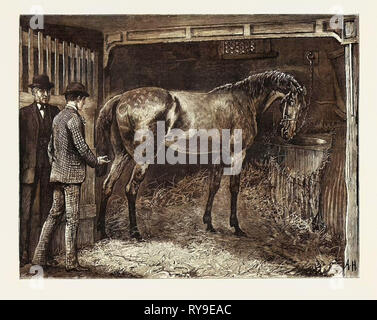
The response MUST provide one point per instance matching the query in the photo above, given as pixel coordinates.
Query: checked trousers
(66, 198)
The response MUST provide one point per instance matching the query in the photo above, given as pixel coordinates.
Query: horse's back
(144, 97)
(142, 104)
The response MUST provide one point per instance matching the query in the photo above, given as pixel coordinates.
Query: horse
(233, 106)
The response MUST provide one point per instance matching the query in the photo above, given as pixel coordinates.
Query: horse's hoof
(100, 235)
(240, 233)
(206, 219)
(136, 235)
(210, 228)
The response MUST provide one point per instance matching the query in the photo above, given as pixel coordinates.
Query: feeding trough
(295, 173)
(308, 141)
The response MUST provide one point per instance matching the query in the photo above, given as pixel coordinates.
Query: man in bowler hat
(35, 123)
(69, 154)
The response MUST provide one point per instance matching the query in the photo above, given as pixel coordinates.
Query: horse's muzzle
(286, 134)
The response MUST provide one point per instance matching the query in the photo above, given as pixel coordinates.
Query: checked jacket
(68, 152)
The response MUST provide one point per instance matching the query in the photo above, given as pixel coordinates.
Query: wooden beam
(30, 56)
(40, 53)
(351, 254)
(57, 68)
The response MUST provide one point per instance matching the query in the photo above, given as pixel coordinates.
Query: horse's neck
(266, 101)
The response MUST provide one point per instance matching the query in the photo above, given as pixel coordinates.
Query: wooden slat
(27, 98)
(65, 65)
(89, 71)
(25, 37)
(72, 62)
(40, 53)
(57, 68)
(78, 63)
(48, 57)
(95, 74)
(20, 69)
(83, 62)
(30, 55)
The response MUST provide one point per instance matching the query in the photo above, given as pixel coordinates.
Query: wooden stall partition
(50, 54)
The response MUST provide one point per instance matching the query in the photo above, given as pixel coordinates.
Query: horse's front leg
(215, 180)
(138, 173)
(234, 187)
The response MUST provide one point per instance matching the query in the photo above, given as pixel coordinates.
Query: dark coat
(29, 132)
(67, 150)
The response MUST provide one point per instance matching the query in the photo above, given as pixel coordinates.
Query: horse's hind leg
(116, 170)
(215, 180)
(132, 188)
(234, 189)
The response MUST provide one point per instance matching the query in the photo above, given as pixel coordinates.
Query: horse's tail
(103, 126)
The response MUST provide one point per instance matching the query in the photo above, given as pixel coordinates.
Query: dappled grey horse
(231, 106)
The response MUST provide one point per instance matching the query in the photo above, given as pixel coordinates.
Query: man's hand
(103, 160)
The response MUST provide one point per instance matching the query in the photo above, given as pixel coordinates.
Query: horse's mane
(258, 83)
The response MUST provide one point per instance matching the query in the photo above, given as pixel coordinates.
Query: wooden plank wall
(78, 62)
(334, 193)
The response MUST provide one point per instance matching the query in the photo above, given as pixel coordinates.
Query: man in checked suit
(69, 154)
(35, 130)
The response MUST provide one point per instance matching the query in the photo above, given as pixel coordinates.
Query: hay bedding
(176, 246)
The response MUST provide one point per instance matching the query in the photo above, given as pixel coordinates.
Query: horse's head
(293, 110)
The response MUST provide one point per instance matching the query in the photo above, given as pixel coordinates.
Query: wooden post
(40, 53)
(88, 189)
(20, 68)
(30, 56)
(351, 254)
(57, 68)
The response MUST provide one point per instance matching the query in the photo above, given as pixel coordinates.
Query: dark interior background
(199, 66)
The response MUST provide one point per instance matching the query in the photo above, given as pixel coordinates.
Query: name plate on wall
(246, 49)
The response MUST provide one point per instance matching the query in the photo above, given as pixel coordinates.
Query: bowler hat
(41, 81)
(76, 87)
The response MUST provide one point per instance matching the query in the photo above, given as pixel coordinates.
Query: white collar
(72, 105)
